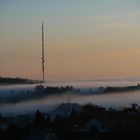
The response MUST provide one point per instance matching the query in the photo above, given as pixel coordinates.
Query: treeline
(50, 90)
(16, 80)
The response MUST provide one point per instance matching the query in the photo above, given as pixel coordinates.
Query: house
(50, 136)
(95, 124)
(64, 110)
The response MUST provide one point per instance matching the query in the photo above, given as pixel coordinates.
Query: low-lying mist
(50, 102)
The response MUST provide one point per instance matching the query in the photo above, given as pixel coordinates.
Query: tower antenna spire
(43, 54)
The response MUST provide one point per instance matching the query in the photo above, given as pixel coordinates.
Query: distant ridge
(16, 80)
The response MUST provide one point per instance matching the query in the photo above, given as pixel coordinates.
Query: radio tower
(43, 55)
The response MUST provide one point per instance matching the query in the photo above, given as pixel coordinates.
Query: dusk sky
(84, 39)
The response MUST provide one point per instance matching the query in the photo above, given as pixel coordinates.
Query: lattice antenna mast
(43, 55)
